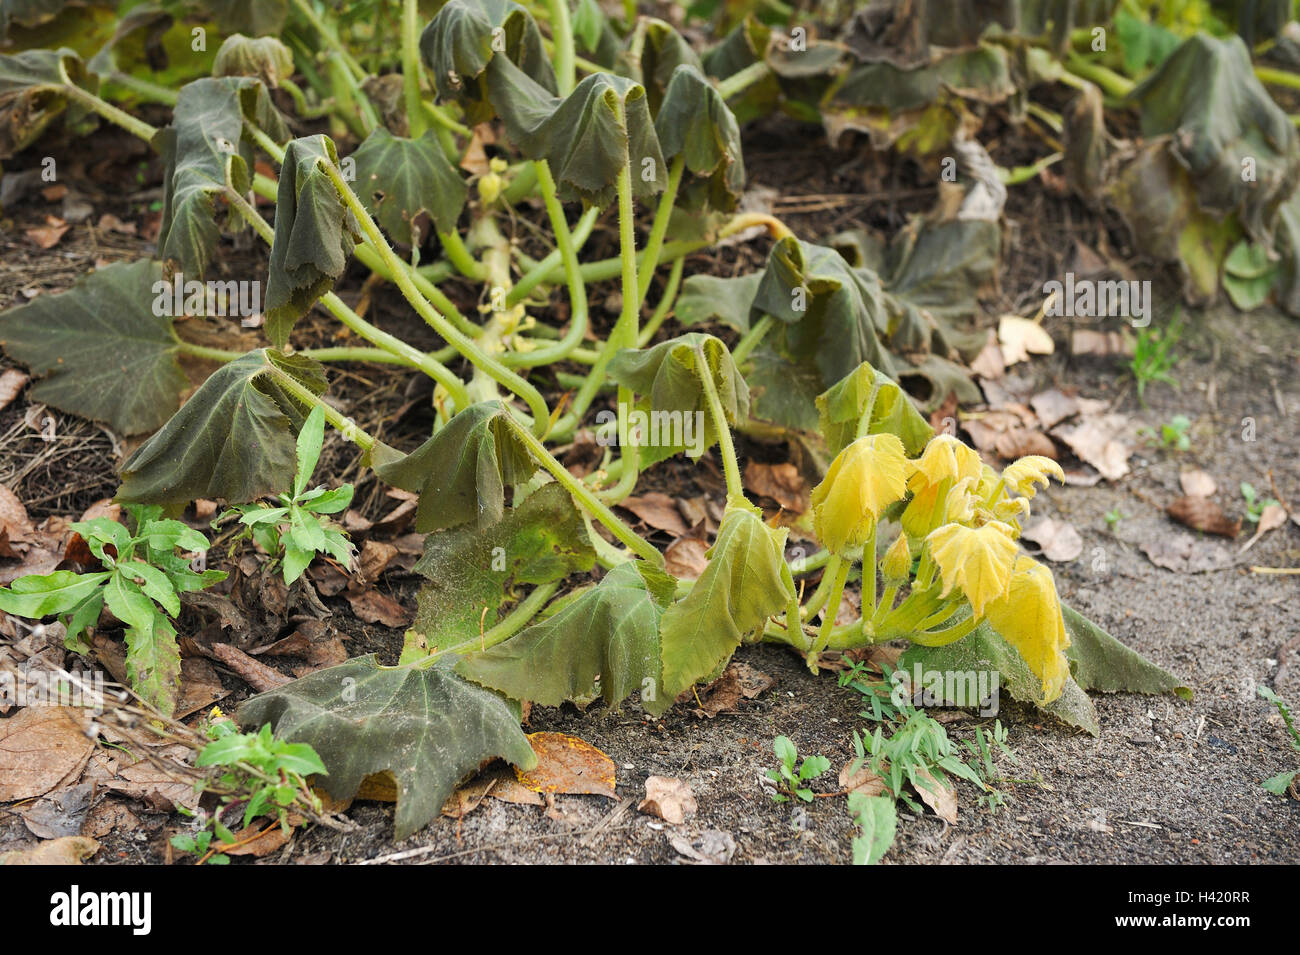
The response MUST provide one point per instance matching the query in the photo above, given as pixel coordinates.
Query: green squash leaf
(107, 354)
(709, 298)
(233, 439)
(695, 122)
(461, 473)
(206, 136)
(470, 570)
(467, 35)
(842, 406)
(588, 138)
(609, 633)
(31, 85)
(747, 581)
(264, 57)
(253, 17)
(428, 727)
(399, 179)
(1100, 662)
(654, 51)
(314, 235)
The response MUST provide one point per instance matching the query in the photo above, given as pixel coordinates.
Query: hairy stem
(726, 447)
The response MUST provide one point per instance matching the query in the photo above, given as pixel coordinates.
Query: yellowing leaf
(979, 560)
(1022, 337)
(945, 457)
(1028, 616)
(864, 479)
(1023, 475)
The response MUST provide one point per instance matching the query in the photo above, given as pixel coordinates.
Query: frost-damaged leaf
(709, 298)
(695, 122)
(609, 633)
(668, 375)
(314, 235)
(428, 727)
(31, 85)
(1100, 662)
(461, 473)
(253, 17)
(399, 179)
(842, 406)
(465, 37)
(206, 134)
(567, 764)
(472, 570)
(233, 439)
(105, 352)
(1219, 118)
(262, 56)
(588, 137)
(746, 582)
(654, 52)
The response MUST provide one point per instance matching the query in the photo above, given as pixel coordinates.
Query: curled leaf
(864, 479)
(978, 560)
(1028, 616)
(30, 93)
(399, 180)
(694, 121)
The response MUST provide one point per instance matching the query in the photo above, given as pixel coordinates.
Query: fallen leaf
(1021, 442)
(1022, 337)
(69, 850)
(1053, 406)
(508, 789)
(261, 839)
(1058, 540)
(781, 482)
(940, 797)
(55, 192)
(111, 815)
(12, 382)
(1271, 518)
(670, 799)
(1174, 549)
(711, 847)
(657, 510)
(111, 223)
(59, 813)
(40, 748)
(47, 236)
(1085, 341)
(990, 363)
(860, 780)
(373, 560)
(1203, 514)
(256, 674)
(373, 607)
(685, 558)
(566, 764)
(162, 787)
(13, 515)
(465, 799)
(1197, 483)
(1098, 441)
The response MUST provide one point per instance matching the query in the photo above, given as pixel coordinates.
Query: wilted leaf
(709, 298)
(472, 572)
(40, 747)
(609, 633)
(1100, 662)
(461, 473)
(669, 799)
(233, 439)
(427, 726)
(746, 582)
(566, 764)
(865, 390)
(106, 354)
(695, 122)
(67, 850)
(1203, 514)
(401, 179)
(30, 94)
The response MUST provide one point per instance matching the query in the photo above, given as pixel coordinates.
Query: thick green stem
(136, 127)
(460, 257)
(751, 339)
(462, 343)
(415, 117)
(1277, 77)
(654, 244)
(665, 306)
(726, 447)
(562, 36)
(340, 422)
(841, 576)
(1109, 81)
(743, 79)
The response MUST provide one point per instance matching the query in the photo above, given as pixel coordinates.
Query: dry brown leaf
(1203, 514)
(111, 223)
(13, 515)
(70, 850)
(685, 558)
(42, 747)
(989, 363)
(1099, 440)
(940, 797)
(566, 764)
(373, 560)
(657, 510)
(508, 789)
(12, 382)
(670, 799)
(1053, 406)
(47, 236)
(1181, 552)
(373, 607)
(1022, 337)
(259, 839)
(1020, 442)
(862, 780)
(1271, 518)
(59, 813)
(1197, 483)
(200, 687)
(162, 787)
(781, 482)
(465, 799)
(1085, 341)
(1058, 540)
(253, 672)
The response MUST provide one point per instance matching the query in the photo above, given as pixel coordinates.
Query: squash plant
(930, 530)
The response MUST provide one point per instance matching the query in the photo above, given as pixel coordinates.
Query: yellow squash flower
(1029, 618)
(945, 457)
(925, 510)
(976, 559)
(1022, 476)
(864, 479)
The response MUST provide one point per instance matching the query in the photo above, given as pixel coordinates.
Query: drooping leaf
(264, 57)
(467, 35)
(841, 407)
(710, 298)
(1100, 662)
(461, 473)
(253, 17)
(472, 572)
(107, 353)
(654, 52)
(233, 439)
(314, 235)
(865, 478)
(401, 179)
(695, 122)
(747, 581)
(588, 137)
(978, 560)
(31, 85)
(203, 145)
(609, 633)
(1028, 616)
(428, 727)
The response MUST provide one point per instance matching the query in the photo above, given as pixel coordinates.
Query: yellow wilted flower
(1022, 475)
(1029, 618)
(976, 559)
(945, 457)
(959, 506)
(923, 511)
(864, 479)
(896, 565)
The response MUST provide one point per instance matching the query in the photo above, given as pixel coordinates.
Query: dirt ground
(1167, 782)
